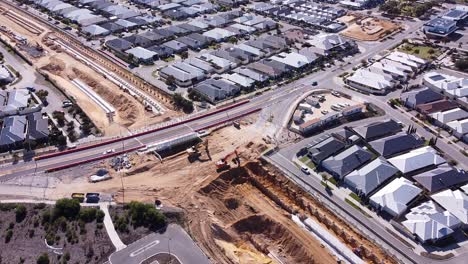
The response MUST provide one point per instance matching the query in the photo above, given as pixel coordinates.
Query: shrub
(69, 208)
(88, 214)
(20, 213)
(8, 236)
(100, 216)
(43, 259)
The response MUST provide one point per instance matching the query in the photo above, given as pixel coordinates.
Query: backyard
(422, 51)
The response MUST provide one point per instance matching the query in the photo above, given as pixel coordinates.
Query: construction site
(367, 28)
(53, 55)
(237, 207)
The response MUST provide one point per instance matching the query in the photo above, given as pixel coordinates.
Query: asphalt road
(174, 241)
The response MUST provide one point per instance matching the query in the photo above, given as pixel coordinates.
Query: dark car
(314, 83)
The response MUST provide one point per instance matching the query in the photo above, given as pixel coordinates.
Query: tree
(170, 80)
(462, 64)
(184, 55)
(20, 213)
(390, 7)
(233, 40)
(43, 259)
(181, 103)
(61, 140)
(69, 208)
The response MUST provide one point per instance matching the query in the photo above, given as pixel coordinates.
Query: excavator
(223, 164)
(194, 151)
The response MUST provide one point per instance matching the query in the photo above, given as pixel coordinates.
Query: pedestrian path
(114, 237)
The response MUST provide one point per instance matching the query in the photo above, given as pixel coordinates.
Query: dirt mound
(231, 203)
(266, 234)
(226, 180)
(127, 108)
(56, 66)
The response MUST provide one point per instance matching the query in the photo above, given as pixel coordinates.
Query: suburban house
(417, 159)
(395, 197)
(371, 176)
(13, 132)
(119, 46)
(347, 161)
(441, 178)
(324, 149)
(437, 106)
(214, 91)
(442, 118)
(430, 223)
(184, 74)
(414, 98)
(377, 130)
(449, 85)
(38, 128)
(142, 55)
(459, 129)
(327, 44)
(455, 202)
(371, 82)
(392, 145)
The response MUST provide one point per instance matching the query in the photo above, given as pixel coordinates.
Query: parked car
(305, 170)
(314, 83)
(31, 89)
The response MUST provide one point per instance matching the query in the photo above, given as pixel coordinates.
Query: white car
(305, 170)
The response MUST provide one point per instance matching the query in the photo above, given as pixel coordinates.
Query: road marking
(144, 248)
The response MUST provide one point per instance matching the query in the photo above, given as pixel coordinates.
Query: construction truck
(223, 164)
(194, 151)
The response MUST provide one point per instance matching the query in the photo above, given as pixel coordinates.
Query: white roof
(250, 49)
(221, 62)
(389, 68)
(197, 23)
(293, 59)
(395, 196)
(450, 115)
(370, 79)
(95, 30)
(219, 33)
(397, 64)
(141, 53)
(244, 27)
(456, 202)
(326, 41)
(461, 126)
(239, 79)
(409, 57)
(430, 222)
(406, 59)
(416, 159)
(451, 84)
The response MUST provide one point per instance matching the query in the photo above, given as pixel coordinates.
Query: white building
(370, 82)
(429, 222)
(293, 59)
(459, 127)
(456, 202)
(416, 159)
(395, 197)
(390, 69)
(219, 34)
(412, 61)
(457, 87)
(450, 115)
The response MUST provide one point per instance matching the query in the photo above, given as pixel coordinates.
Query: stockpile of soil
(127, 109)
(55, 66)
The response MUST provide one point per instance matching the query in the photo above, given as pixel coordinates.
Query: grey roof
(164, 32)
(277, 65)
(421, 96)
(13, 130)
(257, 76)
(38, 127)
(112, 27)
(190, 42)
(441, 178)
(189, 28)
(347, 161)
(325, 149)
(241, 54)
(205, 66)
(119, 44)
(175, 45)
(216, 90)
(138, 21)
(369, 177)
(139, 40)
(162, 51)
(152, 36)
(177, 30)
(378, 129)
(95, 30)
(225, 55)
(395, 144)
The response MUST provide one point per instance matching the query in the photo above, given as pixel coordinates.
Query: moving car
(305, 170)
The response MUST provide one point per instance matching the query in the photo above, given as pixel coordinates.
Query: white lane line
(142, 249)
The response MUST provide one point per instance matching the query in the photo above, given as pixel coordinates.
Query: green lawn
(357, 207)
(326, 185)
(424, 52)
(307, 162)
(355, 197)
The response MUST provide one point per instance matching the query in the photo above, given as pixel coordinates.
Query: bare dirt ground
(369, 29)
(61, 67)
(242, 215)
